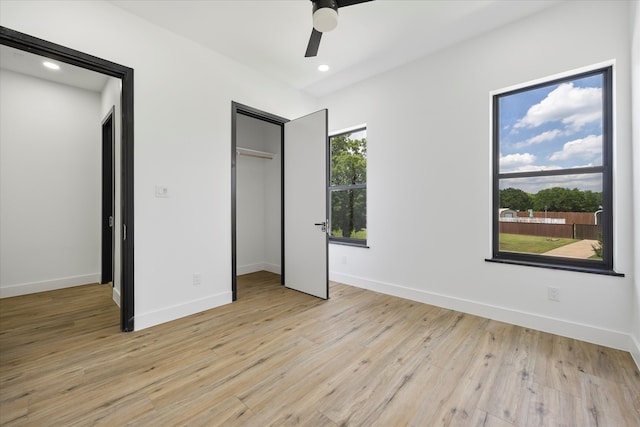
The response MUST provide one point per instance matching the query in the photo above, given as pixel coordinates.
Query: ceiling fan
(325, 18)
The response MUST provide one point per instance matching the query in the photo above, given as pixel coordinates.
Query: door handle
(323, 225)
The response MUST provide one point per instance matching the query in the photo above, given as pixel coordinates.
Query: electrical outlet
(553, 294)
(197, 279)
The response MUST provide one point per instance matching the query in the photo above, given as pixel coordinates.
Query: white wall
(429, 188)
(635, 81)
(182, 133)
(258, 197)
(111, 98)
(49, 185)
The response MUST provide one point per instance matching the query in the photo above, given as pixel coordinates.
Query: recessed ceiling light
(51, 65)
(323, 67)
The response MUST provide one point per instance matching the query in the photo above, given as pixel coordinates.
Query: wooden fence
(569, 217)
(587, 231)
(548, 230)
(570, 231)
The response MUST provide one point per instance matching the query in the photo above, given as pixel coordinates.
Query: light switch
(162, 191)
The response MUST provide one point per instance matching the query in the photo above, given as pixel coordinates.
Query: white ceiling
(271, 36)
(24, 62)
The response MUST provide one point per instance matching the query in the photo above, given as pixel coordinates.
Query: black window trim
(605, 266)
(346, 241)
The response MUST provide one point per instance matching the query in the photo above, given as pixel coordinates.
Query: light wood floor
(279, 357)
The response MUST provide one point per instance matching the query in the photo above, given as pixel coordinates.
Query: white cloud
(543, 137)
(588, 147)
(573, 106)
(522, 162)
(530, 168)
(514, 161)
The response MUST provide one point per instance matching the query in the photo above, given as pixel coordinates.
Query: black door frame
(107, 219)
(245, 110)
(54, 51)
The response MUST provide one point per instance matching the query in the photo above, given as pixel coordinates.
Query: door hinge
(111, 221)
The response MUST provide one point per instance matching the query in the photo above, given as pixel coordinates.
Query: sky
(358, 135)
(553, 127)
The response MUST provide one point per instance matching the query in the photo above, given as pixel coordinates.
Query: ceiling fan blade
(314, 43)
(344, 3)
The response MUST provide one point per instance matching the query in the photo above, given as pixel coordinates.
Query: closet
(258, 195)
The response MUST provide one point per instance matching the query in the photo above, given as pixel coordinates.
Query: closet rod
(254, 153)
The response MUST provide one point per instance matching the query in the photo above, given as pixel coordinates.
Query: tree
(591, 201)
(559, 199)
(514, 198)
(348, 167)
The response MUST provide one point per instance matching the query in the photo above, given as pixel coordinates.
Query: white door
(305, 205)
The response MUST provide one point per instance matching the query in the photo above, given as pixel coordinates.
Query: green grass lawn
(360, 234)
(531, 244)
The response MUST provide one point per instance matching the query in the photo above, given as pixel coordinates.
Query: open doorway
(56, 52)
(303, 196)
(256, 195)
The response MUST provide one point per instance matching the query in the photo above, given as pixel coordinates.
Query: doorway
(50, 50)
(257, 142)
(303, 199)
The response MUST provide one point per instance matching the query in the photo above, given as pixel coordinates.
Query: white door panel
(305, 204)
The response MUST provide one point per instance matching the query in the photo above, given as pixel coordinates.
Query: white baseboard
(152, 318)
(48, 285)
(260, 266)
(634, 349)
(116, 296)
(583, 332)
(272, 268)
(248, 268)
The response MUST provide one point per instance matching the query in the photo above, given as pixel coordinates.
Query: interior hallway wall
(50, 142)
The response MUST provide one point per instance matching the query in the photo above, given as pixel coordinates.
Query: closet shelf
(253, 153)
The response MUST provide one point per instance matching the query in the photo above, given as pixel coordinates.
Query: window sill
(348, 243)
(576, 268)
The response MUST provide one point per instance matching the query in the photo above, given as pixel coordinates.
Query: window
(347, 187)
(552, 182)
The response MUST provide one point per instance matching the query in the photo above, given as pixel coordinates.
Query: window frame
(605, 266)
(348, 241)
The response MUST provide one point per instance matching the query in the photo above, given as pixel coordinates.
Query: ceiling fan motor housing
(325, 15)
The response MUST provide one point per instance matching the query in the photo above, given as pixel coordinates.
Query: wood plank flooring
(279, 357)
